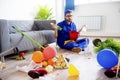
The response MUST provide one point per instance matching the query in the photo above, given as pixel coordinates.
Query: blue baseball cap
(67, 11)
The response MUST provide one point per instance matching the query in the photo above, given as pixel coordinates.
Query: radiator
(92, 22)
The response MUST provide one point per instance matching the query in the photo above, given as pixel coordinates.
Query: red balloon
(49, 52)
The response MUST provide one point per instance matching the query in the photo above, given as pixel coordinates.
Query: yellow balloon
(73, 71)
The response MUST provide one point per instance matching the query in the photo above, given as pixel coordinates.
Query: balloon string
(31, 39)
(117, 67)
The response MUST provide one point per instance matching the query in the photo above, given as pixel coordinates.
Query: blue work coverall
(63, 35)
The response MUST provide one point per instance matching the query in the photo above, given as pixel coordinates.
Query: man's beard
(69, 21)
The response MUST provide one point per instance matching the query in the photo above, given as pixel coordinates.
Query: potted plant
(44, 13)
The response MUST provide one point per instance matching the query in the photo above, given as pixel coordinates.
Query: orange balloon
(51, 62)
(44, 63)
(37, 56)
(49, 52)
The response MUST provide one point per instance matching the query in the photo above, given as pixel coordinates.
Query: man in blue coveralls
(63, 36)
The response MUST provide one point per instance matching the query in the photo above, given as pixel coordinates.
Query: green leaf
(109, 43)
(44, 13)
(59, 28)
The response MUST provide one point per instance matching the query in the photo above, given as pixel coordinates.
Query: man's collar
(68, 23)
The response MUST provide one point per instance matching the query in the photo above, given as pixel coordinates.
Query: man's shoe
(77, 50)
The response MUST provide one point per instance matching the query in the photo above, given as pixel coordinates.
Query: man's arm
(83, 27)
(55, 29)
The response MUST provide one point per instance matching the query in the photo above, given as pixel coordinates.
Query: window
(77, 2)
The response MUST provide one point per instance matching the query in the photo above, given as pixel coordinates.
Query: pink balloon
(49, 52)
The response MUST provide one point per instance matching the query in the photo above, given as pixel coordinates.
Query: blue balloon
(107, 58)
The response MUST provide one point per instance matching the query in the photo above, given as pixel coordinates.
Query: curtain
(69, 4)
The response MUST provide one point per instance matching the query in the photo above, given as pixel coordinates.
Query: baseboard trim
(91, 36)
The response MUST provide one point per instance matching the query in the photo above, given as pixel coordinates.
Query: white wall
(22, 9)
(59, 10)
(110, 12)
(26, 9)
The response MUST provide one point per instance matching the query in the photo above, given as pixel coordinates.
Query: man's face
(68, 17)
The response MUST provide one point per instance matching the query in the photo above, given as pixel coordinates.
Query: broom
(31, 39)
(49, 52)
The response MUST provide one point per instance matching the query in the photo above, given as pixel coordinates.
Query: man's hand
(55, 29)
(83, 28)
(53, 26)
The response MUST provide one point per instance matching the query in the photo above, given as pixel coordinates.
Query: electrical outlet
(119, 10)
